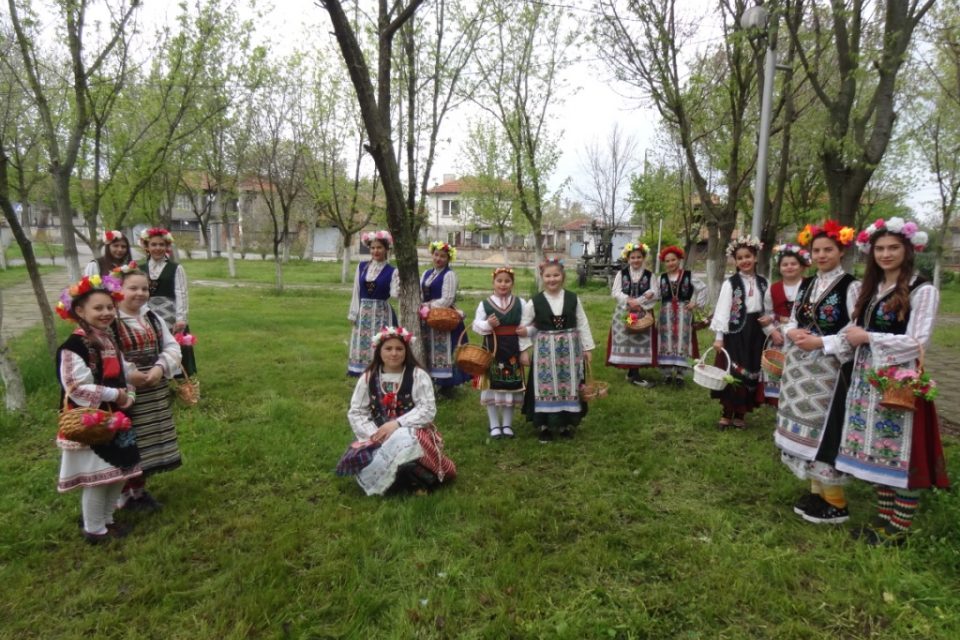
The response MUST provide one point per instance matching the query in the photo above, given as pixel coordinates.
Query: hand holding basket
(72, 426)
(444, 319)
(473, 360)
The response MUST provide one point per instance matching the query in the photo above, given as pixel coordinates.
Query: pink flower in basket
(120, 422)
(906, 374)
(185, 339)
(424, 311)
(92, 419)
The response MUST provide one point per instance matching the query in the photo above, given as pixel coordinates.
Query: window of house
(183, 202)
(451, 208)
(485, 239)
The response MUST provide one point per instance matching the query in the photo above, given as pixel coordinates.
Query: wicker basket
(474, 360)
(443, 319)
(708, 376)
(591, 389)
(902, 398)
(642, 324)
(70, 422)
(772, 361)
(188, 389)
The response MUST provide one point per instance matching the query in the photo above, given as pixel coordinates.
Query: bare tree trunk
(12, 380)
(345, 271)
(61, 190)
(308, 243)
(279, 266)
(229, 238)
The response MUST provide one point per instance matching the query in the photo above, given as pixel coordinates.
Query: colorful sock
(834, 495)
(816, 487)
(885, 500)
(904, 508)
(494, 416)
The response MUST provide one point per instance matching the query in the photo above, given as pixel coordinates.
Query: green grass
(18, 275)
(650, 524)
(40, 250)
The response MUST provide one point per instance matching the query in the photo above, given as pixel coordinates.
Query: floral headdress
(445, 246)
(382, 236)
(112, 236)
(507, 270)
(124, 269)
(671, 249)
(156, 232)
(550, 261)
(391, 332)
(781, 251)
(744, 241)
(830, 228)
(69, 296)
(630, 247)
(908, 230)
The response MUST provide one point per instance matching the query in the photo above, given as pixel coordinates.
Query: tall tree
(608, 168)
(64, 131)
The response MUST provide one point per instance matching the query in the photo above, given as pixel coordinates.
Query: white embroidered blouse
(822, 283)
(170, 354)
(75, 373)
(556, 306)
(480, 324)
(373, 271)
(361, 419)
(752, 300)
(699, 289)
(182, 303)
(448, 295)
(616, 291)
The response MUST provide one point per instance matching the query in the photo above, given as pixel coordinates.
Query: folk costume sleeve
(449, 294)
(480, 324)
(721, 311)
(355, 300)
(583, 325)
(890, 348)
(527, 321)
(359, 416)
(426, 404)
(92, 269)
(700, 293)
(768, 310)
(831, 344)
(394, 284)
(75, 373)
(616, 291)
(180, 287)
(170, 355)
(647, 304)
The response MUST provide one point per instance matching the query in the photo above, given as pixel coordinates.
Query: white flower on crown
(391, 332)
(895, 225)
(920, 239)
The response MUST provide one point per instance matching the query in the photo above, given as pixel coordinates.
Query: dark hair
(409, 360)
(107, 262)
(748, 248)
(81, 301)
(873, 276)
(135, 272)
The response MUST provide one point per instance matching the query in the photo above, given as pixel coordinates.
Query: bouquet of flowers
(185, 339)
(902, 386)
(702, 318)
(637, 321)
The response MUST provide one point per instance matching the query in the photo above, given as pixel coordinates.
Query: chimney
(449, 177)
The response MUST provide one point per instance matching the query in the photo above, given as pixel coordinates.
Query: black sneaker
(807, 502)
(566, 433)
(544, 435)
(826, 513)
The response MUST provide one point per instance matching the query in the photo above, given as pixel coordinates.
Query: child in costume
(741, 319)
(91, 373)
(439, 289)
(791, 260)
(558, 331)
(154, 354)
(116, 253)
(632, 289)
(899, 451)
(168, 290)
(376, 281)
(680, 293)
(816, 375)
(391, 414)
(502, 388)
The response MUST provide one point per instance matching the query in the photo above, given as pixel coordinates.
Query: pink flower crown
(908, 230)
(156, 232)
(107, 284)
(124, 269)
(382, 236)
(783, 250)
(391, 332)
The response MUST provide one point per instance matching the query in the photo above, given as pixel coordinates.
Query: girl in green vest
(558, 330)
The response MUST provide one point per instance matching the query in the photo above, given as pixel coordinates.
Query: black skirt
(745, 349)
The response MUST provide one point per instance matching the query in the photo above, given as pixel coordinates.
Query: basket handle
(186, 376)
(704, 357)
(493, 333)
(66, 396)
(920, 359)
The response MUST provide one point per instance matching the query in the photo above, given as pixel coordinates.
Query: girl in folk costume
(502, 389)
(154, 354)
(439, 289)
(632, 289)
(815, 380)
(741, 318)
(91, 372)
(898, 451)
(391, 414)
(680, 293)
(116, 253)
(375, 283)
(168, 289)
(791, 259)
(558, 331)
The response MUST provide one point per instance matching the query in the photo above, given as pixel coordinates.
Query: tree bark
(12, 380)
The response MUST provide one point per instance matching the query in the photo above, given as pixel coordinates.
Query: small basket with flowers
(901, 386)
(637, 321)
(702, 318)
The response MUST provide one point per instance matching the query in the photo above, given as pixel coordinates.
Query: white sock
(114, 489)
(507, 416)
(93, 503)
(493, 415)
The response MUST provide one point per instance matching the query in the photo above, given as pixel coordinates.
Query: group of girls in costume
(831, 425)
(120, 360)
(672, 341)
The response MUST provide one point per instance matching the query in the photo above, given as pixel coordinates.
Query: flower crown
(156, 232)
(391, 332)
(445, 246)
(112, 236)
(69, 296)
(781, 251)
(831, 228)
(382, 236)
(744, 241)
(500, 270)
(630, 247)
(124, 269)
(908, 230)
(671, 249)
(550, 261)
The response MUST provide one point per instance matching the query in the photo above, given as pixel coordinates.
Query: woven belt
(506, 330)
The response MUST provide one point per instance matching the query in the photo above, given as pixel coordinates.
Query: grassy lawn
(18, 275)
(40, 250)
(650, 524)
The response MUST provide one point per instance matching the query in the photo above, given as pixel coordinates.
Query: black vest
(830, 315)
